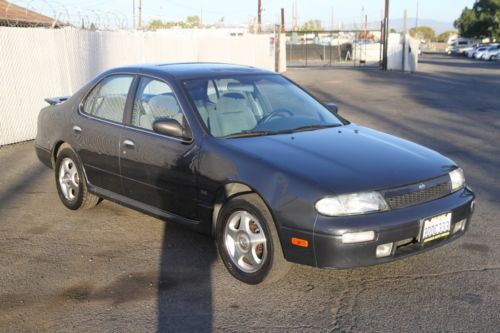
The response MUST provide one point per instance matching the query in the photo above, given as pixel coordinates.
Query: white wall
(395, 53)
(40, 63)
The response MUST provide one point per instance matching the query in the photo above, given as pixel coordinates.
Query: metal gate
(333, 48)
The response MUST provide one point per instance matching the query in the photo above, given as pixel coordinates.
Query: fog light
(358, 237)
(459, 226)
(472, 206)
(384, 250)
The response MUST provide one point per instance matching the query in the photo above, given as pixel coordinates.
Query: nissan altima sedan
(253, 159)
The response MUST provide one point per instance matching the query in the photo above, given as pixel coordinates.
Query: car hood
(345, 159)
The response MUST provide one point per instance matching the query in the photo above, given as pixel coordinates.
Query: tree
(193, 21)
(312, 25)
(189, 23)
(443, 37)
(483, 20)
(423, 32)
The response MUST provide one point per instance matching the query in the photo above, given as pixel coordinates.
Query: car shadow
(184, 302)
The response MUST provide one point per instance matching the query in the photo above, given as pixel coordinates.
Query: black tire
(274, 267)
(80, 196)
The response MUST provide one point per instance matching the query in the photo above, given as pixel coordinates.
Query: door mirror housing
(332, 107)
(171, 127)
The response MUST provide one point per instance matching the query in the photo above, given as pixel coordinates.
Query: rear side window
(107, 100)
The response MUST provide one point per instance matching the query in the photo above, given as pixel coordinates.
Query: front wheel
(248, 242)
(70, 181)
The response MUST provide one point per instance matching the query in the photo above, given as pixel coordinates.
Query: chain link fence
(333, 48)
(37, 63)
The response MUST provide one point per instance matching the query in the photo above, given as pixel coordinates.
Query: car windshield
(251, 105)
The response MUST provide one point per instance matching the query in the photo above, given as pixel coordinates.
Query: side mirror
(332, 107)
(171, 127)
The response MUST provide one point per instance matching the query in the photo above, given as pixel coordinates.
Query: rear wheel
(70, 182)
(248, 242)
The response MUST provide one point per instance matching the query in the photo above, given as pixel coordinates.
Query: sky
(242, 11)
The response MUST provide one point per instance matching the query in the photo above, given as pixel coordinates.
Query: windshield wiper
(246, 134)
(256, 133)
(287, 131)
(313, 127)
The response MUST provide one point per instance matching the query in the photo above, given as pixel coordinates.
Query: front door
(158, 170)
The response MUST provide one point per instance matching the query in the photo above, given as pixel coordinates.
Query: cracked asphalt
(111, 269)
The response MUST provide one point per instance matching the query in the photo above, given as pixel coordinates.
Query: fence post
(305, 39)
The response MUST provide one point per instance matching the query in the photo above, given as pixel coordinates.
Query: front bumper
(390, 227)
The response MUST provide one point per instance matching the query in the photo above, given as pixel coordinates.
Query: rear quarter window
(108, 98)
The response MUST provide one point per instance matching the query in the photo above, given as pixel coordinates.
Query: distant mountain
(438, 26)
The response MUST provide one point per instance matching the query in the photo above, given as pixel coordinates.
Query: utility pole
(331, 21)
(259, 16)
(282, 20)
(386, 35)
(405, 31)
(133, 15)
(416, 17)
(294, 16)
(140, 14)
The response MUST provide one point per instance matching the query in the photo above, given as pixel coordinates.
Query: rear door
(98, 131)
(158, 170)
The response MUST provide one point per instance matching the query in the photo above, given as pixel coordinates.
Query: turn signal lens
(299, 242)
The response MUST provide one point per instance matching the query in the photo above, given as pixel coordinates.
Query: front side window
(107, 100)
(155, 100)
(249, 105)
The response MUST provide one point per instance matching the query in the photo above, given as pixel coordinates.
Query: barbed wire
(59, 14)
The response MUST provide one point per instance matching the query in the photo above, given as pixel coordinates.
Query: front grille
(415, 194)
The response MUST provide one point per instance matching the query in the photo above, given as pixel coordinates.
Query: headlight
(457, 179)
(351, 204)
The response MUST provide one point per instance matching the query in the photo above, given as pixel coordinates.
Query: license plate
(436, 227)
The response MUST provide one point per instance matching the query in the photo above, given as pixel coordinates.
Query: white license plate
(436, 227)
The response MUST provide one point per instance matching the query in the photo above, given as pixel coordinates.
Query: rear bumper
(43, 155)
(390, 227)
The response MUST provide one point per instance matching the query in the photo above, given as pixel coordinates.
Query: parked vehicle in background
(472, 50)
(461, 46)
(491, 52)
(479, 52)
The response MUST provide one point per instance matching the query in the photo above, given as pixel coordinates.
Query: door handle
(129, 144)
(77, 129)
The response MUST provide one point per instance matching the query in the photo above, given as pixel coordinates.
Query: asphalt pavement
(111, 269)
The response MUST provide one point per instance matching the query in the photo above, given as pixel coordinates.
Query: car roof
(191, 70)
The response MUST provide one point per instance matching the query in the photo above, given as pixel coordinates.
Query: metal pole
(140, 14)
(404, 39)
(416, 17)
(133, 14)
(282, 20)
(331, 22)
(305, 38)
(386, 35)
(259, 17)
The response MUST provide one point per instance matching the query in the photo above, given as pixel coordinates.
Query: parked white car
(479, 52)
(472, 50)
(491, 52)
